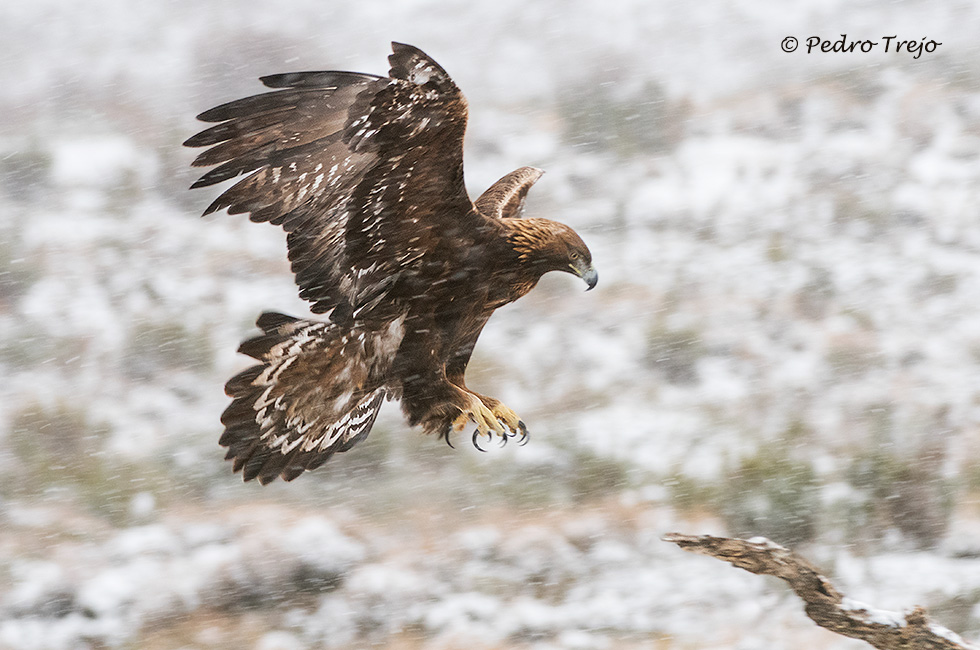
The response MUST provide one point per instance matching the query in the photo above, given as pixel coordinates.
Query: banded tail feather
(313, 394)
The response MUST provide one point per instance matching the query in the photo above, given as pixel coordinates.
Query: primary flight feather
(365, 175)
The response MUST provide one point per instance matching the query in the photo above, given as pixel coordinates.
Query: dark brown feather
(233, 129)
(317, 79)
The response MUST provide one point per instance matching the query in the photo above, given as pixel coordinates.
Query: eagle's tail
(313, 394)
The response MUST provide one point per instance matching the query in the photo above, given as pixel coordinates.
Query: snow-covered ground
(785, 339)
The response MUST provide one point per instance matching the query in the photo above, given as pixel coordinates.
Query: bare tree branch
(823, 603)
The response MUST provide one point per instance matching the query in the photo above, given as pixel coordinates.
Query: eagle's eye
(574, 256)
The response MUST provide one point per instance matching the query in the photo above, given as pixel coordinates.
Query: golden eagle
(365, 174)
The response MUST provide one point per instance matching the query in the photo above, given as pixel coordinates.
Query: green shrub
(690, 494)
(51, 444)
(675, 353)
(905, 493)
(156, 347)
(813, 299)
(593, 476)
(26, 174)
(23, 346)
(58, 454)
(773, 495)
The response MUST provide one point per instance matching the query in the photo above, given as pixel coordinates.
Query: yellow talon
(507, 415)
(486, 420)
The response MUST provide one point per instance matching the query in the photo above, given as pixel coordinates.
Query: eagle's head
(543, 245)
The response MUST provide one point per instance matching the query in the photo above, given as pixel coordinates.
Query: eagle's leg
(505, 421)
(502, 414)
(486, 419)
(506, 415)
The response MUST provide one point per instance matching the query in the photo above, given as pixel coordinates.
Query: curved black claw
(525, 436)
(504, 438)
(448, 441)
(476, 434)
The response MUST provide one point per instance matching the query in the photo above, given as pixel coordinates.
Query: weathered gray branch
(823, 603)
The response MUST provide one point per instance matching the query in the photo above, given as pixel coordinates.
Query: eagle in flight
(365, 175)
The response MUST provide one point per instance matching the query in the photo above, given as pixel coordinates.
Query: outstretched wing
(365, 173)
(505, 198)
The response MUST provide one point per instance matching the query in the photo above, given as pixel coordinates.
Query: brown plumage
(365, 174)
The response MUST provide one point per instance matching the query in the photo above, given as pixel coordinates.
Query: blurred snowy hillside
(785, 339)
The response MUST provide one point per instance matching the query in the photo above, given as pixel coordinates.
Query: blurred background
(785, 339)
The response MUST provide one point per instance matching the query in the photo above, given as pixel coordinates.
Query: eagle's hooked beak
(591, 278)
(587, 273)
